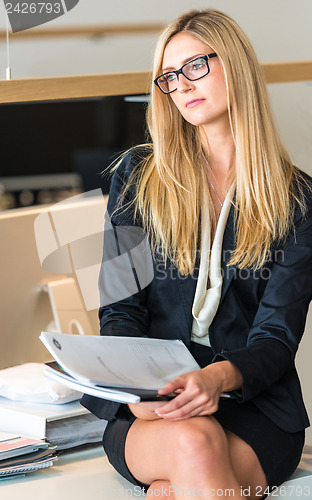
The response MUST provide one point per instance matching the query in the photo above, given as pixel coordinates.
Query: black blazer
(259, 322)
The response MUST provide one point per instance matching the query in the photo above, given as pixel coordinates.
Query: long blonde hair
(172, 180)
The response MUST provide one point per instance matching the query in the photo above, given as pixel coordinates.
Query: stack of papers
(79, 430)
(20, 455)
(122, 369)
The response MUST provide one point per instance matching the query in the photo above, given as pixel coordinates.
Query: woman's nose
(184, 85)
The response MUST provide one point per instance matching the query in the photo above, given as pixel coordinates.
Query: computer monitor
(52, 147)
(26, 307)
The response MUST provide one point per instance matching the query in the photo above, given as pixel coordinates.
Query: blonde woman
(229, 220)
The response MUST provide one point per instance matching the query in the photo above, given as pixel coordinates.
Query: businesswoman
(229, 220)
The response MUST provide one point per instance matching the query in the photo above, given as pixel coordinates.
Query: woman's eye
(171, 77)
(196, 66)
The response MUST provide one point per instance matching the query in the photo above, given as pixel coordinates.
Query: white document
(120, 362)
(118, 396)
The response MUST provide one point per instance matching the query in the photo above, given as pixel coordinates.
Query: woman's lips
(194, 102)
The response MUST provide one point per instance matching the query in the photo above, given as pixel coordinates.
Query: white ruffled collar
(206, 301)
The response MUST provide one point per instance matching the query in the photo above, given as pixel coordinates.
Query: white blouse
(206, 301)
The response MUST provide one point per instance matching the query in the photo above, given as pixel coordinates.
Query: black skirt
(278, 451)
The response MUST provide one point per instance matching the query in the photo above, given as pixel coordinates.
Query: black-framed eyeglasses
(192, 70)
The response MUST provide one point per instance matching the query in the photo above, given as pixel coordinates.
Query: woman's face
(201, 102)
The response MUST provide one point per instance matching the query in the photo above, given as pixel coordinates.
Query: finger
(183, 404)
(172, 386)
(186, 411)
(188, 405)
(174, 404)
(191, 392)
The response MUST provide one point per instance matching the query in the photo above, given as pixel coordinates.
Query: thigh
(257, 449)
(151, 451)
(153, 447)
(114, 439)
(246, 466)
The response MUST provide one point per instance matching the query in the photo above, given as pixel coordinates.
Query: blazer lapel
(228, 246)
(186, 287)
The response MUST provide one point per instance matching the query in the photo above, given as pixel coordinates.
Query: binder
(27, 463)
(34, 419)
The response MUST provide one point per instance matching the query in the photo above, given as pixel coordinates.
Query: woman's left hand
(198, 391)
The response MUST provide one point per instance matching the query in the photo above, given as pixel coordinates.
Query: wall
(273, 40)
(279, 29)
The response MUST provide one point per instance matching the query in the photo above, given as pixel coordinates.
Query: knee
(201, 440)
(160, 489)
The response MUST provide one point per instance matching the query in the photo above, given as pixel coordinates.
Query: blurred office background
(71, 142)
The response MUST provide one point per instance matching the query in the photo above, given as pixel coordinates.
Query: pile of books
(65, 426)
(20, 455)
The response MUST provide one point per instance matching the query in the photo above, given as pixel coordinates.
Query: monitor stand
(69, 312)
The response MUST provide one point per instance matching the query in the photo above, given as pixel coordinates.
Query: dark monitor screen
(66, 144)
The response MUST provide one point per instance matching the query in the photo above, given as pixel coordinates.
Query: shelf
(85, 31)
(108, 84)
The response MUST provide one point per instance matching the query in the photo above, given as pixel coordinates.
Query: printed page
(130, 362)
(94, 390)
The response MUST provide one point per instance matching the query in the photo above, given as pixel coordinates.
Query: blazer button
(224, 350)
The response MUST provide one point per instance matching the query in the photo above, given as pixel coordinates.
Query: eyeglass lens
(198, 68)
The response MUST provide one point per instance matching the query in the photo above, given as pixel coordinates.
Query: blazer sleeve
(280, 319)
(128, 316)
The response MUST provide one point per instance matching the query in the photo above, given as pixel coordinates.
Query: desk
(87, 475)
(82, 475)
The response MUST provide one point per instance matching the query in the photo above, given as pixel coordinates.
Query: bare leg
(161, 489)
(246, 466)
(194, 457)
